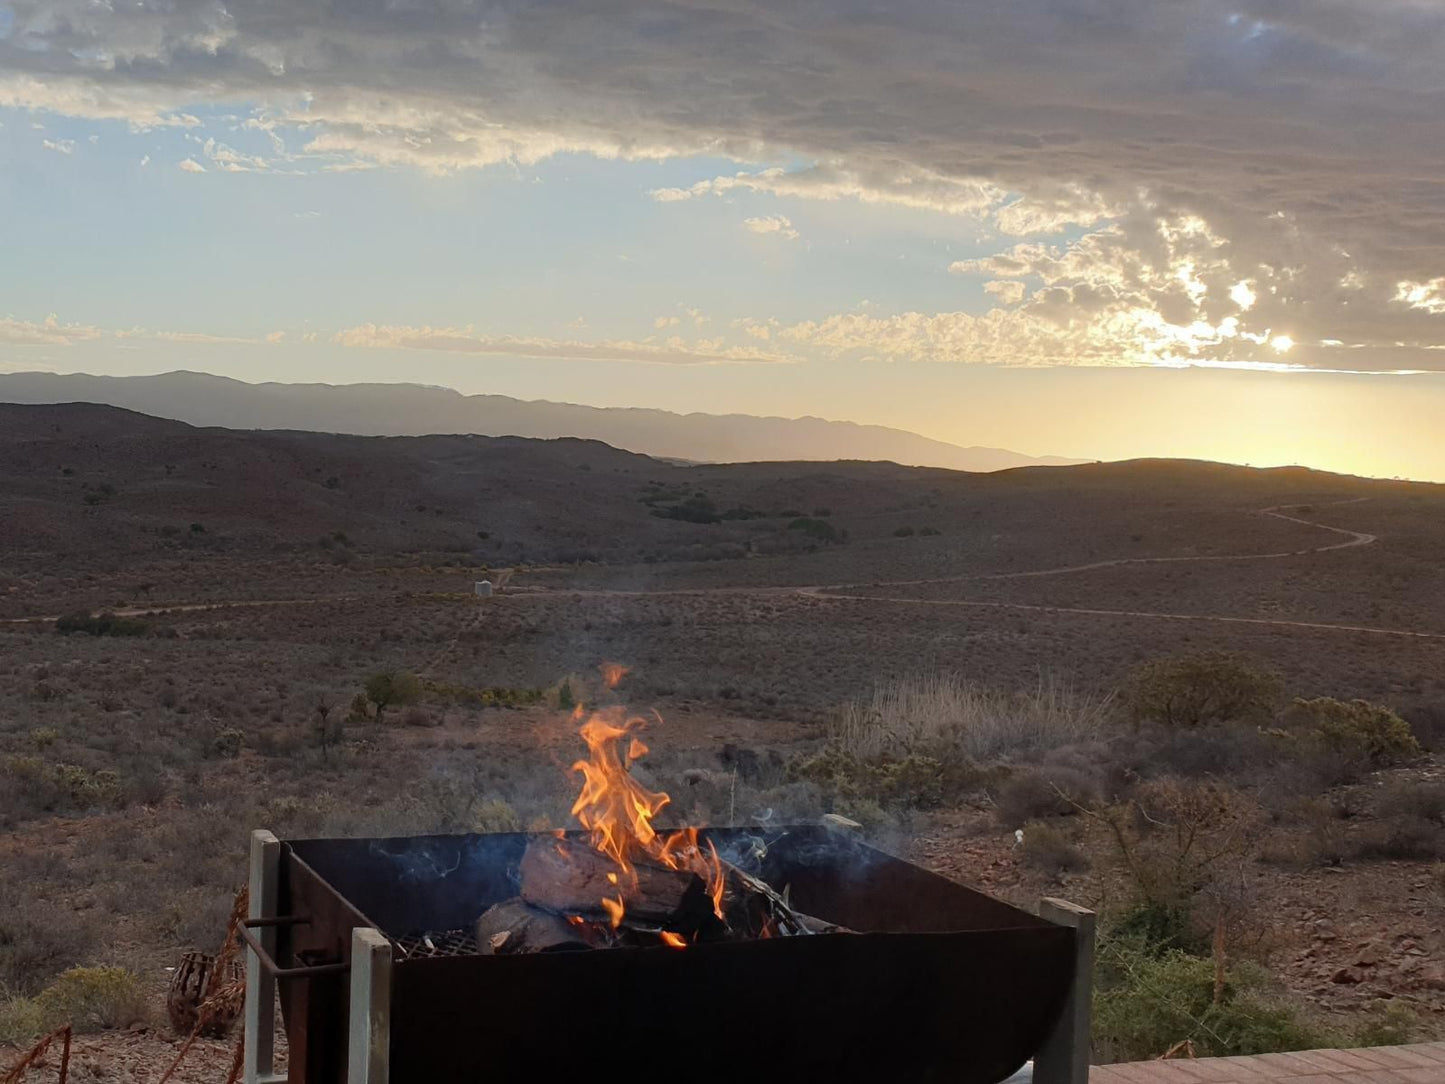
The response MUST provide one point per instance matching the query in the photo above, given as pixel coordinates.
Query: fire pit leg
(369, 1044)
(260, 1060)
(1064, 1057)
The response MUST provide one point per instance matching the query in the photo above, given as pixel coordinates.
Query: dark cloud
(1307, 136)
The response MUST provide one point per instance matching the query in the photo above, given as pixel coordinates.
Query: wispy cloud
(673, 350)
(776, 224)
(59, 146)
(47, 332)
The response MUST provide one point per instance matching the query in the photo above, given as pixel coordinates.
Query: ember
(629, 884)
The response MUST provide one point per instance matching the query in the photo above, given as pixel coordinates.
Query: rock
(1347, 976)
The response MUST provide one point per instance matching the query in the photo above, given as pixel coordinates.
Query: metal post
(369, 1043)
(259, 1065)
(1064, 1057)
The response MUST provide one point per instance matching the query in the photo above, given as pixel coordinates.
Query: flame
(613, 673)
(672, 940)
(618, 812)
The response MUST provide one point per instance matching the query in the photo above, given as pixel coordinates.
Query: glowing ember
(618, 812)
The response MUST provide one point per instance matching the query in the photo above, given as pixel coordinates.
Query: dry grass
(946, 712)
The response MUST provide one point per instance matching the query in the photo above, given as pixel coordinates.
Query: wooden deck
(1422, 1063)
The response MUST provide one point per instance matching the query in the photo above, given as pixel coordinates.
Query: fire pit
(795, 954)
(372, 943)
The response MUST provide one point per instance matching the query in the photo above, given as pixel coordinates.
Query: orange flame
(672, 940)
(613, 673)
(618, 812)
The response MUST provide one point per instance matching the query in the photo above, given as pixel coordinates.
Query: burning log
(571, 878)
(514, 927)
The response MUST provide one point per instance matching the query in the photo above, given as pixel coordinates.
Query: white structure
(483, 588)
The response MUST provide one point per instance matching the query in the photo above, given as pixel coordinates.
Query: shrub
(566, 694)
(19, 1019)
(1192, 690)
(819, 529)
(1043, 792)
(1146, 1003)
(903, 532)
(91, 998)
(1404, 838)
(946, 716)
(910, 782)
(228, 742)
(1423, 799)
(699, 508)
(1355, 728)
(1176, 839)
(392, 687)
(1047, 848)
(929, 532)
(106, 624)
(1225, 752)
(30, 785)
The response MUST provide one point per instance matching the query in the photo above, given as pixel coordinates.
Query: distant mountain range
(415, 410)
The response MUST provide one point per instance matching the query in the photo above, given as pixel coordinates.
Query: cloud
(1008, 293)
(670, 351)
(190, 165)
(778, 224)
(1297, 138)
(49, 332)
(59, 146)
(888, 183)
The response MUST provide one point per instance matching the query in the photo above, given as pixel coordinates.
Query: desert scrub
(908, 782)
(1195, 690)
(106, 624)
(946, 716)
(1354, 727)
(1048, 848)
(1147, 1002)
(86, 998)
(31, 786)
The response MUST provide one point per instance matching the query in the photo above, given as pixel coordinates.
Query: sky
(1098, 228)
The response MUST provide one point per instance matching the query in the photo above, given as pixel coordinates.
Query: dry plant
(33, 1057)
(945, 713)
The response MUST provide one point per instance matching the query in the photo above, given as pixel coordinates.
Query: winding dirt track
(840, 592)
(1352, 539)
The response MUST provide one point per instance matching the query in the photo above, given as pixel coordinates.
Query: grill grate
(428, 943)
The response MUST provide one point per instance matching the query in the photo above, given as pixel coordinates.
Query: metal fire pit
(940, 983)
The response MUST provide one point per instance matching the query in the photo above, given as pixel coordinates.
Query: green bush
(1193, 690)
(92, 998)
(106, 624)
(392, 687)
(1047, 848)
(909, 782)
(819, 529)
(1354, 727)
(228, 742)
(699, 508)
(31, 785)
(86, 998)
(20, 1020)
(1146, 1003)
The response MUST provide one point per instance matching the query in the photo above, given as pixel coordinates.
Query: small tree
(392, 687)
(1195, 690)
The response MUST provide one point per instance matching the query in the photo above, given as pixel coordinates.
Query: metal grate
(428, 943)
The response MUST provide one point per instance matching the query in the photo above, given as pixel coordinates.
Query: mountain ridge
(378, 409)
